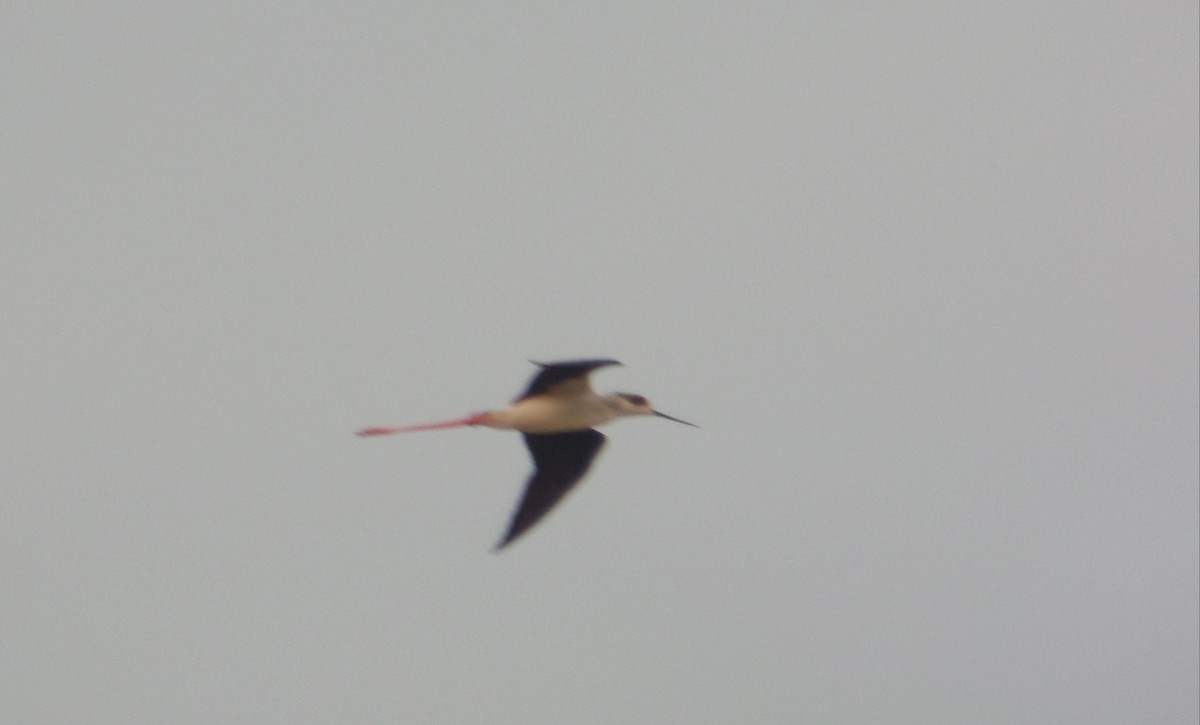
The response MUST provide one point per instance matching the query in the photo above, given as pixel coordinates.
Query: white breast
(548, 414)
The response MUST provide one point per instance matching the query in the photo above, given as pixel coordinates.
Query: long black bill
(664, 415)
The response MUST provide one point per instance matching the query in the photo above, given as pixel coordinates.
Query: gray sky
(926, 274)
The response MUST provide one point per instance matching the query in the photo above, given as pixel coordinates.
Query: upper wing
(560, 460)
(554, 376)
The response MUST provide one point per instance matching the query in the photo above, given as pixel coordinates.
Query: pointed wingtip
(599, 362)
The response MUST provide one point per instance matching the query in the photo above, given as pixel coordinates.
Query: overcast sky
(925, 273)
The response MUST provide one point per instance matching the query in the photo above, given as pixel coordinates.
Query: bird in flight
(557, 415)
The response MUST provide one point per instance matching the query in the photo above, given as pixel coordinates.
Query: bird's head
(633, 404)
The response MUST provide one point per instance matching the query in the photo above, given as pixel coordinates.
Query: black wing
(560, 460)
(553, 374)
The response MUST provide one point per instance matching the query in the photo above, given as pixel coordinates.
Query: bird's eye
(635, 399)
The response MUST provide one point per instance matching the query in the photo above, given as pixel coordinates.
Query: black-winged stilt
(557, 415)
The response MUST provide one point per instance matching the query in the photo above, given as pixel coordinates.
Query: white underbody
(551, 414)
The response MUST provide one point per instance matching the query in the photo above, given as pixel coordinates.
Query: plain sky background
(926, 274)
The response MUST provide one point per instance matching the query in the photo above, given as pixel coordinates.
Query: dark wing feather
(553, 374)
(560, 460)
